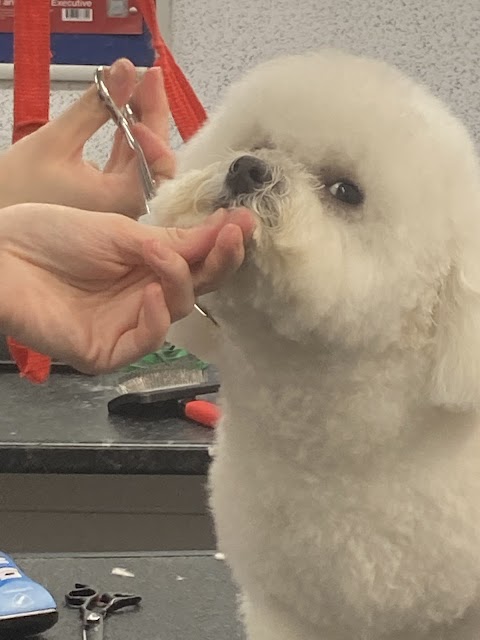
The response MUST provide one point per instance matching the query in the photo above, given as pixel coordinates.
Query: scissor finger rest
(116, 601)
(80, 596)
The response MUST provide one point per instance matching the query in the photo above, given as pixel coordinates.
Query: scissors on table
(94, 607)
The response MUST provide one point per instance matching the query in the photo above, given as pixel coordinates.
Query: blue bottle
(26, 608)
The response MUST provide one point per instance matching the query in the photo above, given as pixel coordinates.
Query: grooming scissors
(94, 607)
(124, 119)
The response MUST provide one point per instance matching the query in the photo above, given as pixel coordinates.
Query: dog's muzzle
(246, 175)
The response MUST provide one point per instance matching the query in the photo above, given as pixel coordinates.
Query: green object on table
(169, 354)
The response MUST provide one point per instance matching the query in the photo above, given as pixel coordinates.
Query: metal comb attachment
(124, 119)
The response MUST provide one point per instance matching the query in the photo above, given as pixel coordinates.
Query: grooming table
(185, 596)
(63, 426)
(65, 463)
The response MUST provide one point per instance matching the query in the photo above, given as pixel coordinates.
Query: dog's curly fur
(346, 484)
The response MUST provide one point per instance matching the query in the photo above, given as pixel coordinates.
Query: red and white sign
(110, 17)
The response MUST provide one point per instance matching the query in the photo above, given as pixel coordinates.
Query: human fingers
(150, 104)
(176, 281)
(195, 243)
(147, 335)
(223, 260)
(159, 155)
(84, 117)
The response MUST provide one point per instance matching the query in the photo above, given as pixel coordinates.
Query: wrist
(10, 296)
(11, 192)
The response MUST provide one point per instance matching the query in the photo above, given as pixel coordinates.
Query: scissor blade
(124, 119)
(93, 632)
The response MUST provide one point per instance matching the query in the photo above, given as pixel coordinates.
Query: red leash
(31, 107)
(187, 111)
(31, 55)
(31, 99)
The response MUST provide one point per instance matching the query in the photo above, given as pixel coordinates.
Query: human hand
(48, 165)
(98, 290)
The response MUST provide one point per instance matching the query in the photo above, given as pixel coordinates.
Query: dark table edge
(104, 459)
(102, 446)
(111, 554)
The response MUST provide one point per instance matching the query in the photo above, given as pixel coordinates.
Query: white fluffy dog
(346, 483)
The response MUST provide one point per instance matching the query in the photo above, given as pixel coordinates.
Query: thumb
(85, 116)
(194, 244)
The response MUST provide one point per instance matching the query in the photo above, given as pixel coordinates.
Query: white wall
(438, 41)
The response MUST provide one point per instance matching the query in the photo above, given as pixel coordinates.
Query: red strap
(31, 57)
(187, 111)
(31, 100)
(32, 365)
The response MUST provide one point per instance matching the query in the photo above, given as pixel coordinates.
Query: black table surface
(185, 597)
(63, 426)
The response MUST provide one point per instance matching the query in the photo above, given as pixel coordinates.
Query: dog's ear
(455, 381)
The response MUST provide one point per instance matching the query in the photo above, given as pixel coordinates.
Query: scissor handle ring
(81, 596)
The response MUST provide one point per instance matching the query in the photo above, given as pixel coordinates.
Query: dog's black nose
(246, 175)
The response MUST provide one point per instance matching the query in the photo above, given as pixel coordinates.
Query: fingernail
(118, 74)
(160, 75)
(157, 71)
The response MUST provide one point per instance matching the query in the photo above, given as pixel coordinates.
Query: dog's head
(367, 196)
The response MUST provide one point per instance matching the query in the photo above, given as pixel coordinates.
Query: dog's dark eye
(346, 192)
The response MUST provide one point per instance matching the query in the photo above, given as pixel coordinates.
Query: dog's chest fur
(326, 485)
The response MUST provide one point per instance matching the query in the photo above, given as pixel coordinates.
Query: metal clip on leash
(124, 119)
